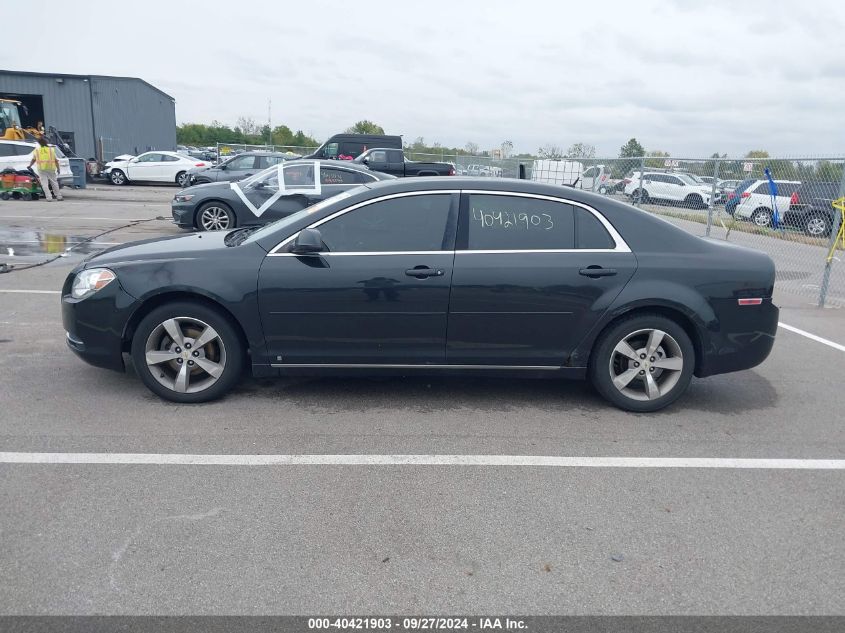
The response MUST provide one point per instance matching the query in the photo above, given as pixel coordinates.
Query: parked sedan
(429, 275)
(221, 206)
(236, 168)
(152, 167)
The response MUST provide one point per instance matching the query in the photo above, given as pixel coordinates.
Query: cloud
(687, 77)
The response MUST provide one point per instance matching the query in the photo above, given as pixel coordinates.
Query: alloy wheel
(816, 227)
(646, 364)
(761, 218)
(214, 219)
(185, 355)
(182, 179)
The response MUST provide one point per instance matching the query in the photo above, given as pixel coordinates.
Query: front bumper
(94, 326)
(183, 214)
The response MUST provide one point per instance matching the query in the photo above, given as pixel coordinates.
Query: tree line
(246, 131)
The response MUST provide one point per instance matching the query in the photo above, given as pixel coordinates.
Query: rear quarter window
(590, 232)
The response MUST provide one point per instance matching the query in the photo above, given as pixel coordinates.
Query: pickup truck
(393, 162)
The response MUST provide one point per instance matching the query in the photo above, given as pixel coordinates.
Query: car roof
(341, 164)
(428, 183)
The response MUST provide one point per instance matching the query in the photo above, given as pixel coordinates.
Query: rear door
(532, 275)
(378, 295)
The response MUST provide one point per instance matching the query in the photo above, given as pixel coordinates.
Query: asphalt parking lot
(380, 536)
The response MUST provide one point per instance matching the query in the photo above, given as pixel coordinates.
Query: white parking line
(181, 459)
(73, 217)
(31, 292)
(812, 336)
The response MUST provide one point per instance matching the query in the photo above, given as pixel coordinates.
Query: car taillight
(200, 165)
(750, 302)
(794, 198)
(731, 195)
(745, 194)
(627, 181)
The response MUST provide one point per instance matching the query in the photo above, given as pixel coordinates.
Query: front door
(532, 275)
(378, 295)
(146, 167)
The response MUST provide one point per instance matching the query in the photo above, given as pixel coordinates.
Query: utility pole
(269, 121)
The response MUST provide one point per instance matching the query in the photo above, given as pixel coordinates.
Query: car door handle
(597, 271)
(421, 272)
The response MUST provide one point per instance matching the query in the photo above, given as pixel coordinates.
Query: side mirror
(223, 167)
(308, 241)
(366, 160)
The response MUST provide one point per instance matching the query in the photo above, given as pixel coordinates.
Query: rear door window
(330, 176)
(517, 223)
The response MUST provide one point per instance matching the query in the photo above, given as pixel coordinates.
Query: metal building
(98, 116)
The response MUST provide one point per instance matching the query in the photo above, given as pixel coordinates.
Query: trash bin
(77, 166)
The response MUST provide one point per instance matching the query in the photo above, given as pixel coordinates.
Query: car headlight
(183, 197)
(89, 281)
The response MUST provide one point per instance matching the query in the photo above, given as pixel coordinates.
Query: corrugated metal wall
(134, 115)
(129, 115)
(67, 104)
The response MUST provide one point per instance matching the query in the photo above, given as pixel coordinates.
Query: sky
(690, 77)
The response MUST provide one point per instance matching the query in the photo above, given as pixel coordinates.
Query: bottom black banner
(532, 624)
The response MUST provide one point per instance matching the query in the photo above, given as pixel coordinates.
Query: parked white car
(155, 166)
(755, 203)
(668, 187)
(17, 154)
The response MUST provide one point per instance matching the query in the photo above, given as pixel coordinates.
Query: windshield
(279, 225)
(9, 116)
(689, 179)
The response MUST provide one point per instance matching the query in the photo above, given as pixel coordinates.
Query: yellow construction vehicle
(10, 123)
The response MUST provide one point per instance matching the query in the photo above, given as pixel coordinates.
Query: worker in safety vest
(47, 167)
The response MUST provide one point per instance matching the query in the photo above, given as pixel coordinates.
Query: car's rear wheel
(117, 177)
(643, 363)
(187, 352)
(182, 179)
(641, 195)
(762, 217)
(215, 216)
(603, 190)
(694, 201)
(817, 226)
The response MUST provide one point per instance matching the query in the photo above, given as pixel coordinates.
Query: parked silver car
(236, 168)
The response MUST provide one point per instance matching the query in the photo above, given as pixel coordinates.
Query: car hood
(166, 249)
(205, 188)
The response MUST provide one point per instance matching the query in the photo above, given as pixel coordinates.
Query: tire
(694, 201)
(603, 190)
(643, 196)
(215, 216)
(117, 177)
(204, 374)
(183, 179)
(761, 217)
(816, 225)
(616, 377)
(5, 195)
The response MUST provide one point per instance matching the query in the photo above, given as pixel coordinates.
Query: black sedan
(221, 206)
(455, 275)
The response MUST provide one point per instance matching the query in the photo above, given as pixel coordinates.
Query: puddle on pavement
(27, 246)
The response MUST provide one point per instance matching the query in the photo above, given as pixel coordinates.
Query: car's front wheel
(215, 216)
(643, 363)
(187, 352)
(117, 177)
(694, 201)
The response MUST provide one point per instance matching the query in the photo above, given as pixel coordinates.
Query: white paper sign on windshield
(261, 191)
